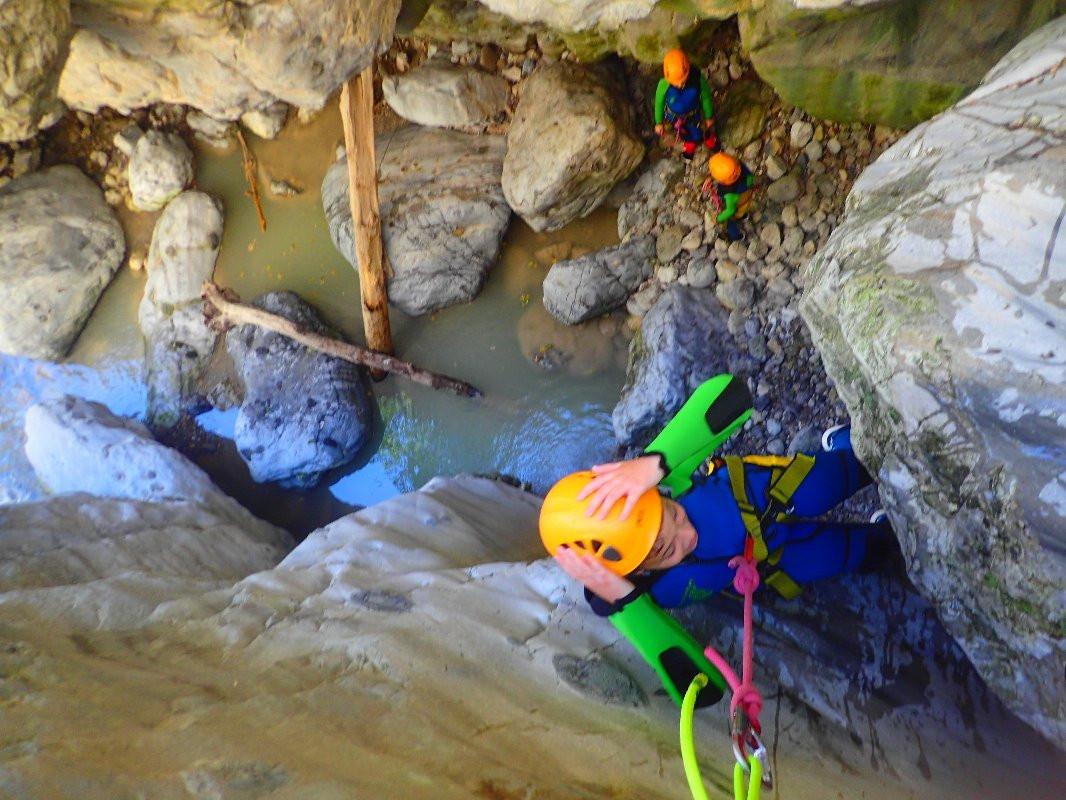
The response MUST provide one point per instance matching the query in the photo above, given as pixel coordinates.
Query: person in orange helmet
(636, 551)
(683, 102)
(731, 184)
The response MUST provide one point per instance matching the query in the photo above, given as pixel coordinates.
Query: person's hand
(659, 129)
(618, 479)
(587, 570)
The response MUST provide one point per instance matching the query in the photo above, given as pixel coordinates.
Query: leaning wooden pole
(223, 310)
(357, 114)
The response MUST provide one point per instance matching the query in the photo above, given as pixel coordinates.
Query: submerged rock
(601, 281)
(683, 340)
(182, 256)
(572, 139)
(443, 214)
(304, 412)
(59, 248)
(440, 94)
(938, 309)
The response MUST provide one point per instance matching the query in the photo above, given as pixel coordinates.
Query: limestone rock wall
(938, 309)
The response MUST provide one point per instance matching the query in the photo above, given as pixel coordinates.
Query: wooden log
(357, 116)
(223, 310)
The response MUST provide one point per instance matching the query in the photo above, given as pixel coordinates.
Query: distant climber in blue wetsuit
(634, 550)
(683, 103)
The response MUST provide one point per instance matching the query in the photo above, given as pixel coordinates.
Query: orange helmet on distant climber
(620, 545)
(675, 68)
(724, 168)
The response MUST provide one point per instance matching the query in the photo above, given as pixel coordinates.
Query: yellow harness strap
(785, 479)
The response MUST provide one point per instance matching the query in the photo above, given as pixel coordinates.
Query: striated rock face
(894, 63)
(304, 412)
(440, 94)
(60, 245)
(443, 214)
(572, 139)
(182, 256)
(222, 58)
(938, 309)
(34, 35)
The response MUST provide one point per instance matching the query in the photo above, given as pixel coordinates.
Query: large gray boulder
(182, 256)
(443, 214)
(34, 35)
(59, 248)
(582, 288)
(304, 412)
(683, 341)
(444, 95)
(938, 309)
(571, 140)
(221, 58)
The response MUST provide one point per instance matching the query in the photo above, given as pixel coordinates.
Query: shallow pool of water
(533, 423)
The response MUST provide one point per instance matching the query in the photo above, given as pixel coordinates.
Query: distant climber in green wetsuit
(683, 102)
(731, 182)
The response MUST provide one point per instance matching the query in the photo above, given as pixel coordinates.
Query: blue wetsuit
(811, 549)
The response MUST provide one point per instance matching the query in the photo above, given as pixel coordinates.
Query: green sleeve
(668, 648)
(660, 100)
(705, 98)
(716, 410)
(730, 202)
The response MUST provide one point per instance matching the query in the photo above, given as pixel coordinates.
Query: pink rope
(746, 581)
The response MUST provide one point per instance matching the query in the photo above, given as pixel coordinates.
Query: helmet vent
(610, 554)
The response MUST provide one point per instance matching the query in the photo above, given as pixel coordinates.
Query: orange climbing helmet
(675, 68)
(620, 545)
(724, 168)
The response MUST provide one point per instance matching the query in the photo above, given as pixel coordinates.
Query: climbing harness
(752, 759)
(786, 476)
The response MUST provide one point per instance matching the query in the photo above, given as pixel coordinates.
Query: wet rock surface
(442, 209)
(59, 249)
(303, 412)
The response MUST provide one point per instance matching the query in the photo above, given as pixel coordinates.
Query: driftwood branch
(248, 160)
(223, 310)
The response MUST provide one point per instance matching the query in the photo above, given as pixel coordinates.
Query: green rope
(688, 749)
(688, 754)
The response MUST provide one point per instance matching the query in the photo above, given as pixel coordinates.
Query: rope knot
(746, 581)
